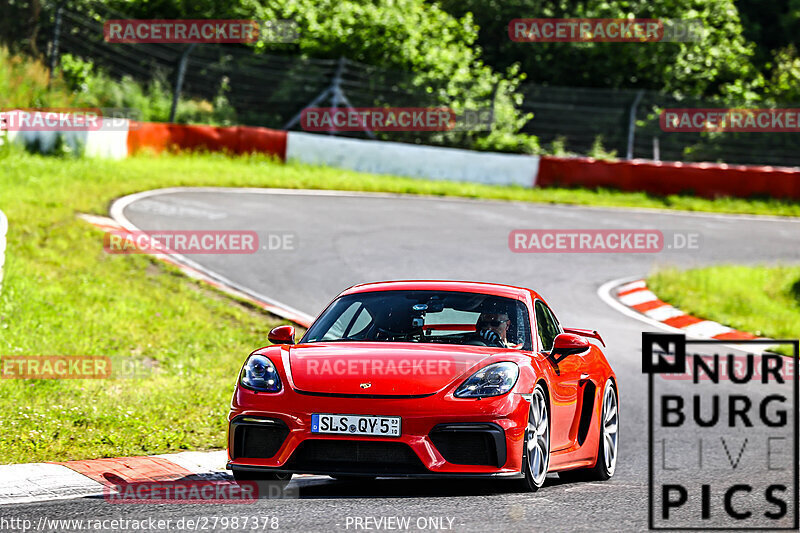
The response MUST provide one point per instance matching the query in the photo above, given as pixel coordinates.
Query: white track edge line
(116, 212)
(371, 194)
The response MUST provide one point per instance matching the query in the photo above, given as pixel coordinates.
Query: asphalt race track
(344, 239)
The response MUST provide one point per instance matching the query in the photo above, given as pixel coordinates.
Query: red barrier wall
(238, 139)
(708, 180)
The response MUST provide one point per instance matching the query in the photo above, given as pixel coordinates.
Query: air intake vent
(470, 444)
(343, 456)
(257, 438)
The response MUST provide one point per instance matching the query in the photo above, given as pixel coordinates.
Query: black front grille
(323, 456)
(470, 444)
(257, 440)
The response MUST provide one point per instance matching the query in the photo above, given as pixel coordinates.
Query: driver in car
(493, 328)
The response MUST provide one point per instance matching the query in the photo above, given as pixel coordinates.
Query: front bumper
(441, 435)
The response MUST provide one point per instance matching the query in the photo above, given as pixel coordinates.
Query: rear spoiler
(586, 333)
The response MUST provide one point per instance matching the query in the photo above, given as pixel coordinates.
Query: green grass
(763, 300)
(63, 295)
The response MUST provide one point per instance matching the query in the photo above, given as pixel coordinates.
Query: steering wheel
(475, 342)
(386, 334)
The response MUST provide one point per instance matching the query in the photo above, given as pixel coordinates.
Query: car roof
(494, 289)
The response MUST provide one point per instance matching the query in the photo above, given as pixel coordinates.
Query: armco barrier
(3, 231)
(708, 180)
(412, 160)
(238, 139)
(108, 141)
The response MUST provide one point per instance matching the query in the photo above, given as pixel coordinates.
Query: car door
(567, 375)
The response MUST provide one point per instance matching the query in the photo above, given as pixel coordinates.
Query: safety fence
(271, 89)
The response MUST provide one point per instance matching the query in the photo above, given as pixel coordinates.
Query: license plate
(381, 426)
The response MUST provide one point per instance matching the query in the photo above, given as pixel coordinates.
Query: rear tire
(608, 444)
(536, 447)
(269, 483)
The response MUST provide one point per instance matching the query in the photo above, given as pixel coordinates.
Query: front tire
(536, 448)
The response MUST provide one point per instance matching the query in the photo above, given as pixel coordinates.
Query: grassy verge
(761, 300)
(63, 295)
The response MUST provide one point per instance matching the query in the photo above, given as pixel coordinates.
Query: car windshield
(444, 317)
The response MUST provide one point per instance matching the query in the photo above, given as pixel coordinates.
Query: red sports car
(424, 379)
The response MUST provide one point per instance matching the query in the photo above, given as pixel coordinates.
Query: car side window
(546, 325)
(337, 329)
(359, 323)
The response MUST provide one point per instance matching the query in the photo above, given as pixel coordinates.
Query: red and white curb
(37, 482)
(34, 482)
(637, 296)
(633, 298)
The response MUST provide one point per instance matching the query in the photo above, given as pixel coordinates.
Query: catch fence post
(55, 42)
(632, 122)
(176, 92)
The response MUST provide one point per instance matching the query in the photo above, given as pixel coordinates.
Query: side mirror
(281, 335)
(568, 344)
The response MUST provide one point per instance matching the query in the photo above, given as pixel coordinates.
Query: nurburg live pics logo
(722, 434)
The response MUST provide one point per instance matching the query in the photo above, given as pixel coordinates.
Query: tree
(719, 65)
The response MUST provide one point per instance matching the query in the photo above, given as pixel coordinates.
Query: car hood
(380, 368)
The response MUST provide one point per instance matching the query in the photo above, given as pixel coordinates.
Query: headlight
(492, 380)
(260, 375)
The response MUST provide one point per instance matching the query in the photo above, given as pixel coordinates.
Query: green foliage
(6, 148)
(457, 53)
(758, 299)
(409, 36)
(718, 65)
(772, 25)
(79, 83)
(450, 41)
(508, 120)
(558, 147)
(151, 100)
(419, 37)
(24, 84)
(785, 83)
(598, 151)
(76, 72)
